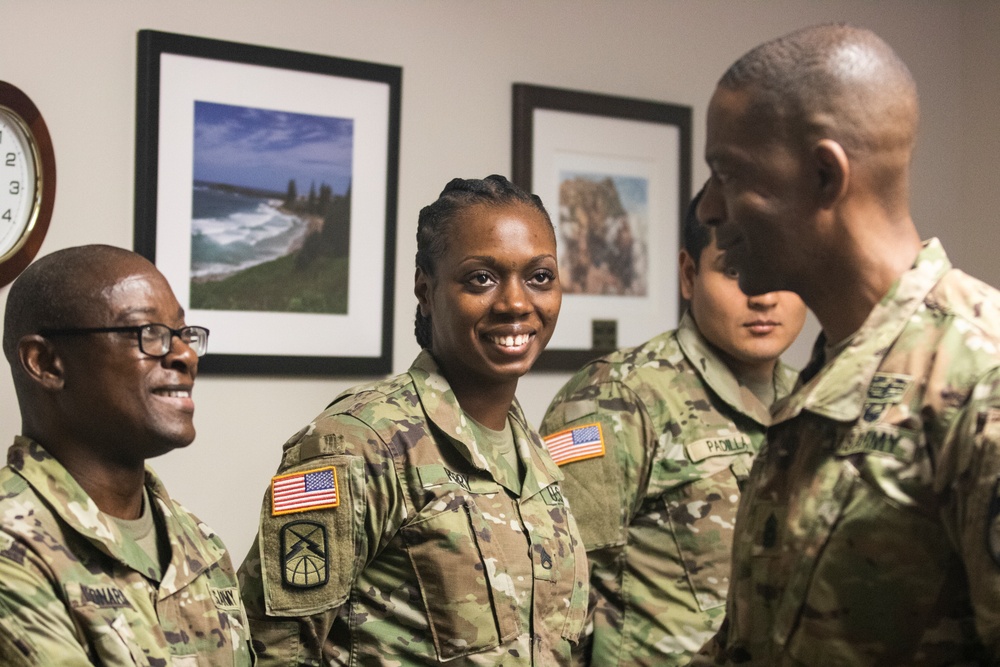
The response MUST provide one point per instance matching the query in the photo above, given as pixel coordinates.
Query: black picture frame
(559, 132)
(175, 70)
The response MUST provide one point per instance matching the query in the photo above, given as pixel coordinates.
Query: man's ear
(834, 171)
(422, 290)
(40, 362)
(688, 271)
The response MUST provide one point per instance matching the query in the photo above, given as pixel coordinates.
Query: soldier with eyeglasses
(98, 565)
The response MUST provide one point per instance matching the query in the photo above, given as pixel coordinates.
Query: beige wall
(459, 58)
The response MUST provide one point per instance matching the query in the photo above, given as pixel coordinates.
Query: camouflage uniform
(656, 508)
(869, 532)
(424, 556)
(73, 593)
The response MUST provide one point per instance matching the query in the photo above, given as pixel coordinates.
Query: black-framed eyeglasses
(154, 339)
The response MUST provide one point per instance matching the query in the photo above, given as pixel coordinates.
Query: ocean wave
(224, 245)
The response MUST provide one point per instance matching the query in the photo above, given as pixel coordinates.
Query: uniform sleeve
(35, 628)
(604, 490)
(333, 503)
(970, 464)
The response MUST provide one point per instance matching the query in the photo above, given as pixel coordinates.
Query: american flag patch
(302, 491)
(576, 444)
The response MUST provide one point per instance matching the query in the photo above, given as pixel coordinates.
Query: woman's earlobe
(421, 288)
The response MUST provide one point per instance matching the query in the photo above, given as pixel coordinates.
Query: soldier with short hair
(869, 531)
(654, 442)
(98, 565)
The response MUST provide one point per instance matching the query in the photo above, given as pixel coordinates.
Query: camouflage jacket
(656, 501)
(399, 544)
(73, 592)
(869, 532)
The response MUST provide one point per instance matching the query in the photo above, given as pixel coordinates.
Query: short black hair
(832, 80)
(434, 224)
(57, 291)
(695, 235)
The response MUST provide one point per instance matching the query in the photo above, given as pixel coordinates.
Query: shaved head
(836, 82)
(62, 290)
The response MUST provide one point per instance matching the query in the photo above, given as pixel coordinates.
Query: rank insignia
(576, 444)
(304, 557)
(885, 389)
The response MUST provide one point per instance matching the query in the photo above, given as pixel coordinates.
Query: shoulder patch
(304, 554)
(304, 491)
(576, 444)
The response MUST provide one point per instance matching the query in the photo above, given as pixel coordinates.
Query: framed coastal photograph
(614, 174)
(265, 192)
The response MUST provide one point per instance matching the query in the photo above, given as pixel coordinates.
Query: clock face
(18, 182)
(27, 181)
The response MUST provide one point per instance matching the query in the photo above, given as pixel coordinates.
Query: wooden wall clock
(27, 181)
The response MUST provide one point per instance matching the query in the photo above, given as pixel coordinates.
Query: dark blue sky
(262, 148)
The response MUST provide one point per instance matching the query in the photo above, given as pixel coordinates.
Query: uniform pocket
(111, 637)
(456, 567)
(702, 515)
(558, 559)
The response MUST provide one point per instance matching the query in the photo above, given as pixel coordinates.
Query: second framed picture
(266, 188)
(615, 176)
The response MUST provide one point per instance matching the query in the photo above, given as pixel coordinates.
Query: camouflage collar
(191, 553)
(704, 358)
(839, 389)
(446, 414)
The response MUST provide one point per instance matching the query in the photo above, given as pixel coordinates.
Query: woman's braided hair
(434, 224)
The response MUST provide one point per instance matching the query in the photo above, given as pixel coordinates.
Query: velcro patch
(304, 491)
(884, 441)
(226, 598)
(886, 389)
(576, 444)
(552, 495)
(106, 597)
(304, 554)
(706, 448)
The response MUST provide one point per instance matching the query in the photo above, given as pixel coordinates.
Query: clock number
(10, 159)
(6, 216)
(15, 187)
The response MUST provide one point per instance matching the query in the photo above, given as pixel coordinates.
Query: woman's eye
(542, 277)
(731, 272)
(481, 279)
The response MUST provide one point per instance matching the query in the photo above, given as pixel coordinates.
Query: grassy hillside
(278, 286)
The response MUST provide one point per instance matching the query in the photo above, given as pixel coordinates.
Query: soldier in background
(418, 520)
(98, 565)
(654, 442)
(869, 531)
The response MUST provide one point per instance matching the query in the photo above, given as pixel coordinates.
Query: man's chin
(165, 445)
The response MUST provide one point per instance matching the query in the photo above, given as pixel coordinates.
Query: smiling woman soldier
(419, 519)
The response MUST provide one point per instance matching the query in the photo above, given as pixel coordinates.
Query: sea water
(232, 231)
